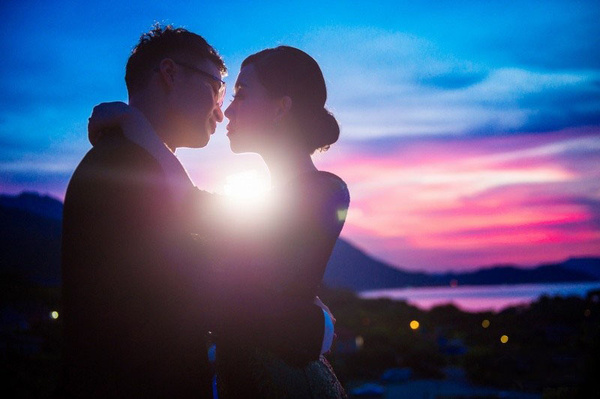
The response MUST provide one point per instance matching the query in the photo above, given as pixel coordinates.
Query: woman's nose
(218, 114)
(228, 111)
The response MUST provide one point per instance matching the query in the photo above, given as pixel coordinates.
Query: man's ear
(166, 71)
(284, 105)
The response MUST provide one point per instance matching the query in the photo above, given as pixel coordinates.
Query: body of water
(478, 298)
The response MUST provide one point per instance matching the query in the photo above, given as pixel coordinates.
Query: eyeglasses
(218, 91)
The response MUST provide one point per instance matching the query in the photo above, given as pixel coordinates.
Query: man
(136, 293)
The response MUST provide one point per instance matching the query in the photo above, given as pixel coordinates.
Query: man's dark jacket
(136, 290)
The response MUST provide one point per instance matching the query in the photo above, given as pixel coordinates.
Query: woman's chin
(235, 147)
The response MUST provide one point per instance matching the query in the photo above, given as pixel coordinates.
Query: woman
(278, 112)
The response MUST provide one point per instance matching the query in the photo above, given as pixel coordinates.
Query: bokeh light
(414, 324)
(359, 341)
(504, 339)
(485, 323)
(341, 214)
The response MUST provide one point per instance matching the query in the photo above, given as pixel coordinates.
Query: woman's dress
(262, 256)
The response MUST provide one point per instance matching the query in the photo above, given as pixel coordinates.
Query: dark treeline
(553, 345)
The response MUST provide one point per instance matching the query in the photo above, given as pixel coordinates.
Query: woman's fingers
(104, 116)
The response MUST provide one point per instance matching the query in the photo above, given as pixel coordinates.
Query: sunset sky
(470, 129)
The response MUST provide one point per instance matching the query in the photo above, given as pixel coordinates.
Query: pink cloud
(459, 203)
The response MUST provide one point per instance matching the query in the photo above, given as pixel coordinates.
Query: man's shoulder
(116, 151)
(113, 163)
(115, 157)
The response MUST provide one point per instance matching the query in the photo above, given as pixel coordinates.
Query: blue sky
(423, 86)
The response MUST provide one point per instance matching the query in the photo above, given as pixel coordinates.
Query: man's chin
(200, 140)
(199, 145)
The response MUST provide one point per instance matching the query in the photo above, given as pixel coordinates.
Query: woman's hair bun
(324, 132)
(288, 71)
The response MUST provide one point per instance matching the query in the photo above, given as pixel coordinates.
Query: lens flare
(341, 214)
(246, 187)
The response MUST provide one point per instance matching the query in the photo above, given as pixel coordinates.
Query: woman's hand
(110, 115)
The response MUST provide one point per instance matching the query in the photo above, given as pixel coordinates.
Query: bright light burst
(247, 186)
(248, 200)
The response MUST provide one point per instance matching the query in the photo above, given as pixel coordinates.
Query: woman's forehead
(247, 77)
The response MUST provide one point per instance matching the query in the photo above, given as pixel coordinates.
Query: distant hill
(554, 273)
(30, 238)
(587, 265)
(30, 230)
(351, 268)
(41, 205)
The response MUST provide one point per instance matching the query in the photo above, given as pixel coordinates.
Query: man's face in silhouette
(193, 103)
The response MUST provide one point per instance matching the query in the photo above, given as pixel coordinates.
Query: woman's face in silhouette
(252, 114)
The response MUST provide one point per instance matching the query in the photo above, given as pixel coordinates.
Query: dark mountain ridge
(32, 202)
(351, 268)
(30, 229)
(29, 246)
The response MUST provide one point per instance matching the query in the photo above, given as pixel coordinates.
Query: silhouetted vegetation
(30, 338)
(553, 346)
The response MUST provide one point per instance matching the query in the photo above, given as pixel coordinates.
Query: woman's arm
(137, 129)
(131, 121)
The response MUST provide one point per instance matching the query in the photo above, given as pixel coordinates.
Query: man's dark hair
(165, 42)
